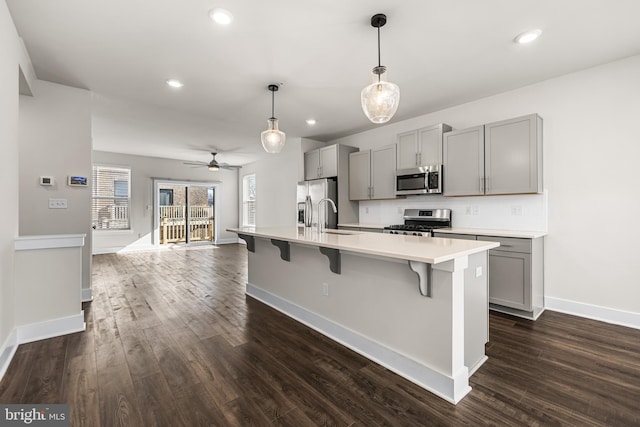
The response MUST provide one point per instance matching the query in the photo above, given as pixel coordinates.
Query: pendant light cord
(379, 52)
(273, 93)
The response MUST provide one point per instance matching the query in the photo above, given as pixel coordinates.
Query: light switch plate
(479, 271)
(57, 203)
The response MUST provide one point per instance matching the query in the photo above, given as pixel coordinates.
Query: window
(249, 200)
(111, 198)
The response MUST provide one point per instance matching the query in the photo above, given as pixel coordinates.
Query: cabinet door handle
(371, 192)
(481, 184)
(419, 159)
(487, 184)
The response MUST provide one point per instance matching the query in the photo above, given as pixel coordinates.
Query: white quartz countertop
(430, 250)
(363, 225)
(497, 233)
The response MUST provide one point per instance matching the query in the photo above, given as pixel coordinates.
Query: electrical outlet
(366, 210)
(399, 210)
(57, 203)
(325, 289)
(476, 209)
(516, 210)
(467, 210)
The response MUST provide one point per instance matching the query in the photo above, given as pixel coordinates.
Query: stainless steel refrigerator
(319, 189)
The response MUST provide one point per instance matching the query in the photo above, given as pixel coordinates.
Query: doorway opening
(185, 213)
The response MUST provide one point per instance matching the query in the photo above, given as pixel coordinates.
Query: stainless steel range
(421, 222)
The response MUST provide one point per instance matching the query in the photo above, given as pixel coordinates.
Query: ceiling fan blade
(228, 166)
(196, 163)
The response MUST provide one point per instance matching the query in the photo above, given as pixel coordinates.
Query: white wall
(591, 152)
(55, 140)
(9, 46)
(276, 178)
(143, 171)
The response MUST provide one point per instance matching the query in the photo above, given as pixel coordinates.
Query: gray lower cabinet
(515, 274)
(342, 227)
(455, 236)
(366, 229)
(510, 279)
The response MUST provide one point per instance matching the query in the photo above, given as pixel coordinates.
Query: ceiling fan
(213, 165)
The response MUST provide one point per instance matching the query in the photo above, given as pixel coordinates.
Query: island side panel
(377, 298)
(476, 311)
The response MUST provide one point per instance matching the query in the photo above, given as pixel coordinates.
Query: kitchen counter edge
(413, 248)
(522, 234)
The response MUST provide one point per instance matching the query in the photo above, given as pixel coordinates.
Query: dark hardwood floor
(172, 340)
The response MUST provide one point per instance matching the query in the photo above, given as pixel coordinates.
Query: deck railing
(173, 224)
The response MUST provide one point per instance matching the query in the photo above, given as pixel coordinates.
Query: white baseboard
(87, 294)
(51, 328)
(138, 248)
(38, 331)
(7, 351)
(429, 379)
(228, 241)
(595, 312)
(116, 249)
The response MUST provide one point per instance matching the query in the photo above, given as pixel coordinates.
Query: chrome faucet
(321, 214)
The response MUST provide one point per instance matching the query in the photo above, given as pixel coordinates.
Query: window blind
(111, 191)
(249, 200)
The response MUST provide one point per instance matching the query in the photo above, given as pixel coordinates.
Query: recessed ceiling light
(221, 16)
(311, 122)
(175, 83)
(527, 36)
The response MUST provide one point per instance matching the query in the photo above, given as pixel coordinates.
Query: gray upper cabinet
(421, 147)
(321, 163)
(498, 158)
(463, 153)
(513, 155)
(312, 164)
(383, 172)
(360, 175)
(372, 174)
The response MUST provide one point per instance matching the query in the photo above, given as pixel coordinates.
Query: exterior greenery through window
(111, 198)
(249, 200)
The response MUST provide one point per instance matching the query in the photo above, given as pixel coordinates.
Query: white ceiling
(441, 53)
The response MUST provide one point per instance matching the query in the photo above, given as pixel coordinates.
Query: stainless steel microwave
(420, 180)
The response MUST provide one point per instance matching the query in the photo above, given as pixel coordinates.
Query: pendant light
(272, 139)
(381, 98)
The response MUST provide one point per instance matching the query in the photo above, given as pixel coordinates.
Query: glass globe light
(380, 100)
(272, 139)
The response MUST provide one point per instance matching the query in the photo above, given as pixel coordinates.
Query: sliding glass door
(186, 213)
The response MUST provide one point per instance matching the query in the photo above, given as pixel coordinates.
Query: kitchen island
(416, 305)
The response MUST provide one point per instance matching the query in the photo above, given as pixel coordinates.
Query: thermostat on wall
(77, 181)
(46, 180)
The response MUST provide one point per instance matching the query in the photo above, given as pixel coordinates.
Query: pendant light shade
(272, 139)
(381, 98)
